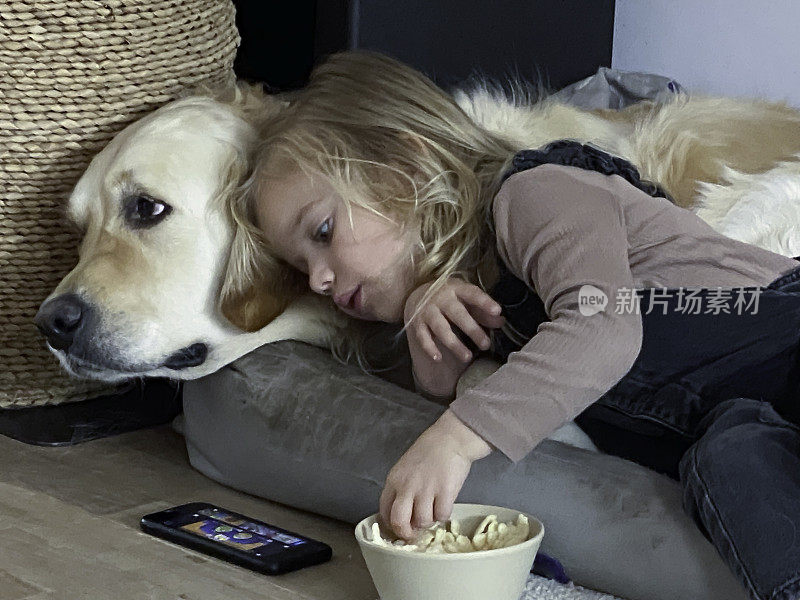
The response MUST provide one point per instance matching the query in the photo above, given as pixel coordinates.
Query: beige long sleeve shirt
(559, 228)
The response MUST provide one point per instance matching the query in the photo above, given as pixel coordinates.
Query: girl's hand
(458, 302)
(439, 357)
(422, 487)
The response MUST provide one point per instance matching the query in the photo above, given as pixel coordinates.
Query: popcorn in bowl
(447, 538)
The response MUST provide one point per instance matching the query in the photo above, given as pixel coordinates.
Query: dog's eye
(141, 211)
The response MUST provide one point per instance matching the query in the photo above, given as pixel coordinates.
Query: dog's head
(159, 245)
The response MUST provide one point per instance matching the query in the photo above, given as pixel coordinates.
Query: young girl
(376, 189)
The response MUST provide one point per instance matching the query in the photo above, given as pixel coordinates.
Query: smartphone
(236, 538)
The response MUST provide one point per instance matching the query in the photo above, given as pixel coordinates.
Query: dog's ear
(247, 298)
(252, 309)
(255, 289)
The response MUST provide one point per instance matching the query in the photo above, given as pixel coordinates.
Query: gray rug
(539, 588)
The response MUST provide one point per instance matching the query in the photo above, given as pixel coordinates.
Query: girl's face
(367, 269)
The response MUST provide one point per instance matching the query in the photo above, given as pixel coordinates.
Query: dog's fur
(736, 163)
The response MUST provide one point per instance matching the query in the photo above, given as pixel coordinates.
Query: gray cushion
(289, 423)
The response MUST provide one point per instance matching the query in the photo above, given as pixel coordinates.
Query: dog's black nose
(59, 319)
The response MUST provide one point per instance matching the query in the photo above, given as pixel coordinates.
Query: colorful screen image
(225, 534)
(239, 533)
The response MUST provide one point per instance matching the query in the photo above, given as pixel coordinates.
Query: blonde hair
(391, 141)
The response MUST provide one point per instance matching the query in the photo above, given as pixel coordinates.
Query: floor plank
(69, 525)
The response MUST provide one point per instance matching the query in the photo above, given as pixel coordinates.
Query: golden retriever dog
(162, 245)
(158, 241)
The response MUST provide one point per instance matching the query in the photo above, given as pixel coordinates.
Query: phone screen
(217, 525)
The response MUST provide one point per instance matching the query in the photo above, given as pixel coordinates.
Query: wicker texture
(73, 73)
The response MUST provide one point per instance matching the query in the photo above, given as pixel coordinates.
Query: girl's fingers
(460, 316)
(422, 515)
(442, 507)
(425, 341)
(487, 320)
(400, 516)
(385, 505)
(444, 333)
(487, 309)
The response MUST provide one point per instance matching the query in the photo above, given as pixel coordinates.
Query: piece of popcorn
(485, 523)
(464, 544)
(455, 528)
(450, 548)
(426, 538)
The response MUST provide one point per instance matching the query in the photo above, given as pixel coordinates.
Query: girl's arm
(562, 229)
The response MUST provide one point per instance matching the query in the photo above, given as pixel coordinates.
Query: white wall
(746, 48)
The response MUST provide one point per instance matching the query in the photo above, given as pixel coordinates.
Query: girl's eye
(324, 230)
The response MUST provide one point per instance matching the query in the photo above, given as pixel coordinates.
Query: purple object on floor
(545, 565)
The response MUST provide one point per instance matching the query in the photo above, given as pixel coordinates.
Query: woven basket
(72, 74)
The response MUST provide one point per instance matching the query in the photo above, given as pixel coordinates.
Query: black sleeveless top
(522, 307)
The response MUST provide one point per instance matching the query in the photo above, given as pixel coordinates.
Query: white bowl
(498, 574)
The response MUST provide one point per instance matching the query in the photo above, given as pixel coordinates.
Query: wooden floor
(69, 528)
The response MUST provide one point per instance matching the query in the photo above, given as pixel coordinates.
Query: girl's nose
(320, 279)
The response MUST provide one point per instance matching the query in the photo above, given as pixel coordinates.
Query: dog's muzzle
(67, 321)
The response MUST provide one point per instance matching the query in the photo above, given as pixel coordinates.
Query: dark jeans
(713, 400)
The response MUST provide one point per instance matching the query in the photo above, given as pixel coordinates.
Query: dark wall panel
(453, 39)
(277, 45)
(450, 40)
